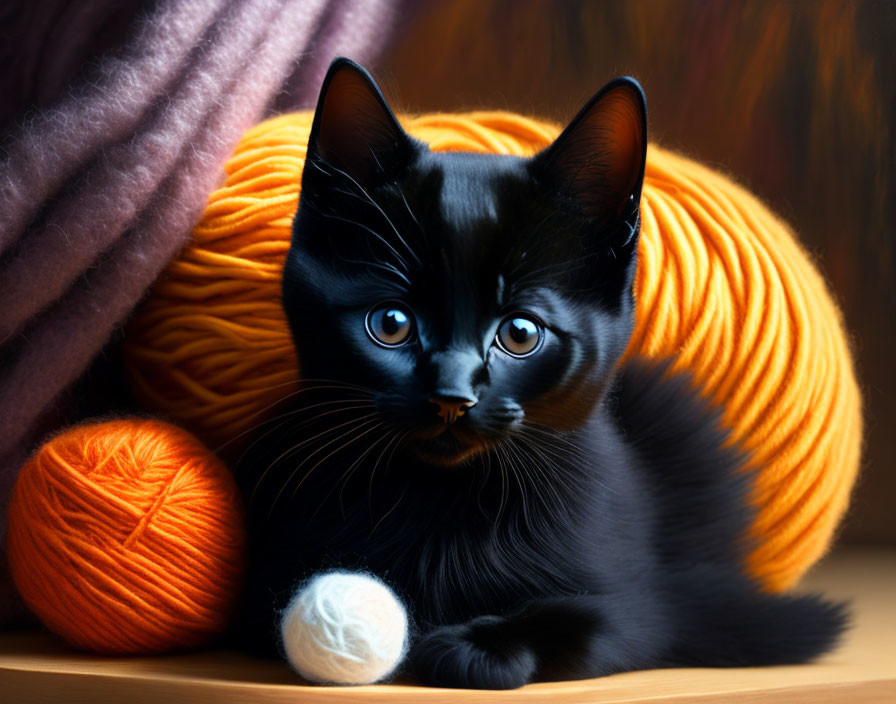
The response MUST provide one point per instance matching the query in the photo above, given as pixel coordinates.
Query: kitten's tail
(728, 622)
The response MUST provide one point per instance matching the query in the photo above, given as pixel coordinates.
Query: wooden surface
(35, 667)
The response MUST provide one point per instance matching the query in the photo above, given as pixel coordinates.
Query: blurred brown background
(797, 100)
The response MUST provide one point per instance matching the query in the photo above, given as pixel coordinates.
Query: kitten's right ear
(354, 130)
(597, 162)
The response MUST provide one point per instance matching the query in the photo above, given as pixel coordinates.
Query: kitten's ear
(597, 162)
(354, 129)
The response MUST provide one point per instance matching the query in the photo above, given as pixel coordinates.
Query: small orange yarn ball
(128, 536)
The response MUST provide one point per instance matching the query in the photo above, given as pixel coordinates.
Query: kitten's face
(477, 297)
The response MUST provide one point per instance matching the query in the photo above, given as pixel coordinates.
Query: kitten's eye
(390, 324)
(519, 335)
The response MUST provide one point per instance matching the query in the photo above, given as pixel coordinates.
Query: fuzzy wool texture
(101, 190)
(344, 628)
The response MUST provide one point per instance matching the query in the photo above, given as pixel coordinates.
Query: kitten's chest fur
(469, 540)
(449, 551)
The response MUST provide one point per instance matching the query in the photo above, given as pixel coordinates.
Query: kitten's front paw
(480, 654)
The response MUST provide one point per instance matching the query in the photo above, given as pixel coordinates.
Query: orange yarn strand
(723, 287)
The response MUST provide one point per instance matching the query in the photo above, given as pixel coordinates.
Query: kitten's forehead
(468, 197)
(462, 259)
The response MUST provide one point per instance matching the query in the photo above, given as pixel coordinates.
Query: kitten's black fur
(578, 520)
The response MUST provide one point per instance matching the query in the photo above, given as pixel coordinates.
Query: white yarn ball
(344, 628)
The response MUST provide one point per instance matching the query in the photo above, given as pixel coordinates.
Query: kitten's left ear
(354, 129)
(597, 162)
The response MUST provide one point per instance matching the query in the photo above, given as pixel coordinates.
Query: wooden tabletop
(37, 667)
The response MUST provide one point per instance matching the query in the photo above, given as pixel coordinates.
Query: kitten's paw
(480, 654)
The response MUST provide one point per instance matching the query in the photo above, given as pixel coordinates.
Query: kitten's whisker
(303, 388)
(346, 475)
(387, 513)
(551, 434)
(551, 440)
(281, 416)
(570, 454)
(377, 424)
(376, 159)
(373, 232)
(520, 480)
(285, 417)
(486, 475)
(385, 265)
(504, 462)
(395, 437)
(563, 457)
(556, 451)
(380, 265)
(295, 447)
(549, 473)
(406, 205)
(503, 500)
(324, 432)
(334, 383)
(382, 212)
(343, 479)
(545, 480)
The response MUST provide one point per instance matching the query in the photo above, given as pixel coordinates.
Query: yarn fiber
(344, 628)
(127, 537)
(723, 287)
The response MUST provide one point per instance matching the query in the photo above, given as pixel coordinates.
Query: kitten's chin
(447, 449)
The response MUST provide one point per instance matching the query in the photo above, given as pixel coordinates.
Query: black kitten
(463, 431)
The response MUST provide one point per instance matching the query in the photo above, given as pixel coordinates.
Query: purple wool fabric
(101, 188)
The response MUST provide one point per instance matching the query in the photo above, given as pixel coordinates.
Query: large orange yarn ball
(127, 537)
(723, 287)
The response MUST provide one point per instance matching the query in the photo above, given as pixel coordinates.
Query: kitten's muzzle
(452, 407)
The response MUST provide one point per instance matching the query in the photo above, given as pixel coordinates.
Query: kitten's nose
(452, 407)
